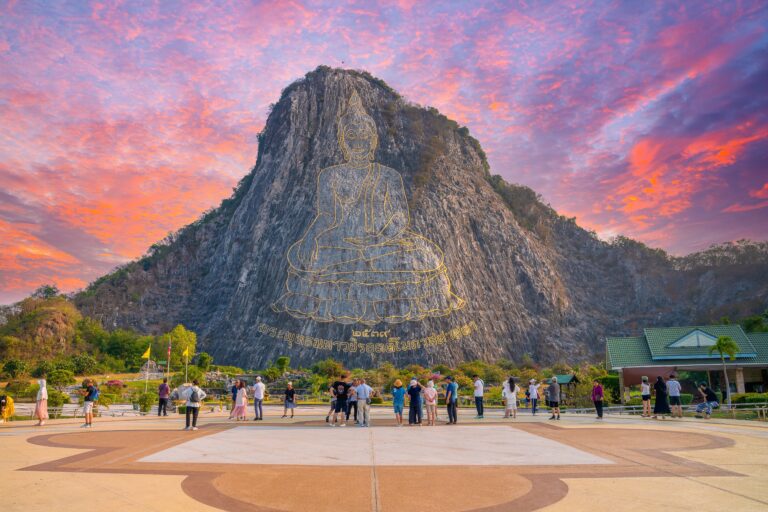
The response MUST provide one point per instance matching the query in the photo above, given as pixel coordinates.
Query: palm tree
(725, 345)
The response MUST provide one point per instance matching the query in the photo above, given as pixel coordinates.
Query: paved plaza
(578, 463)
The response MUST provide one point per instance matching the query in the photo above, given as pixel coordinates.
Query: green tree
(60, 379)
(43, 368)
(204, 361)
(282, 363)
(328, 367)
(83, 364)
(46, 291)
(15, 368)
(725, 345)
(181, 339)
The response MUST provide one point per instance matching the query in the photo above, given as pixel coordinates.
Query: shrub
(193, 373)
(146, 401)
(57, 398)
(83, 364)
(16, 387)
(686, 398)
(60, 379)
(749, 398)
(43, 368)
(15, 368)
(377, 400)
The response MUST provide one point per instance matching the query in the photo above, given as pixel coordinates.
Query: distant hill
(532, 281)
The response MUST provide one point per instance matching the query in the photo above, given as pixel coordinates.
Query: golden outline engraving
(358, 261)
(391, 344)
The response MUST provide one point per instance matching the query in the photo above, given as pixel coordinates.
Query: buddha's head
(357, 132)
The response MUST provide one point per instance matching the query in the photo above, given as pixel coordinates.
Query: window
(694, 339)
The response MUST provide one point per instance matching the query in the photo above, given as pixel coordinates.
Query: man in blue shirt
(364, 392)
(451, 400)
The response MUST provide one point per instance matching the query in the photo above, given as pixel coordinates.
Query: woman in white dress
(509, 393)
(41, 403)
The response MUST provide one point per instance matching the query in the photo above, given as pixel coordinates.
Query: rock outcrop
(531, 281)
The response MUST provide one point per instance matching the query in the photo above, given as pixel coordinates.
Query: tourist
(241, 404)
(479, 390)
(41, 402)
(90, 394)
(509, 394)
(533, 391)
(233, 390)
(645, 393)
(352, 400)
(414, 410)
(163, 393)
(597, 398)
(527, 398)
(258, 399)
(430, 399)
(398, 401)
(290, 400)
(554, 398)
(661, 407)
(340, 389)
(451, 400)
(194, 397)
(332, 409)
(673, 389)
(6, 403)
(363, 393)
(710, 401)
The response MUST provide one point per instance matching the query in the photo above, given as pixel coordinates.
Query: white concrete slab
(353, 446)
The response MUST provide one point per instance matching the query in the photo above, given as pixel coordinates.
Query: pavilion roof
(670, 346)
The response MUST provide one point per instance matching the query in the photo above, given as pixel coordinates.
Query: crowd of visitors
(351, 400)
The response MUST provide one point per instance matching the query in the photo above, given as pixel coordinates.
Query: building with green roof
(666, 350)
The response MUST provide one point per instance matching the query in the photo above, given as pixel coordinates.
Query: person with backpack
(194, 397)
(90, 395)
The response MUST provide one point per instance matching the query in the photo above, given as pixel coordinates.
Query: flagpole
(168, 372)
(146, 379)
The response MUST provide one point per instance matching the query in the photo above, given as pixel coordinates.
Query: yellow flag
(186, 352)
(146, 354)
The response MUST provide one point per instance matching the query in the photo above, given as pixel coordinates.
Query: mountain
(371, 230)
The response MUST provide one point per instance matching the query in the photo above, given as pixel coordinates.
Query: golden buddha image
(358, 262)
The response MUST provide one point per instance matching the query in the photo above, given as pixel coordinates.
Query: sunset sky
(122, 121)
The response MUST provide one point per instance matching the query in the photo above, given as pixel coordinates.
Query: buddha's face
(359, 141)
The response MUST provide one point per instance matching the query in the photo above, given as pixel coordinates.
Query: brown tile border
(635, 453)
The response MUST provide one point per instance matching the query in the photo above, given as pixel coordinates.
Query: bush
(43, 368)
(17, 387)
(193, 373)
(686, 398)
(377, 400)
(57, 398)
(230, 371)
(83, 364)
(15, 368)
(61, 378)
(748, 398)
(146, 401)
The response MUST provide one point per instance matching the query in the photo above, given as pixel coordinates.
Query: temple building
(666, 350)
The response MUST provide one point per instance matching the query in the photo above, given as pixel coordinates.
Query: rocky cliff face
(532, 282)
